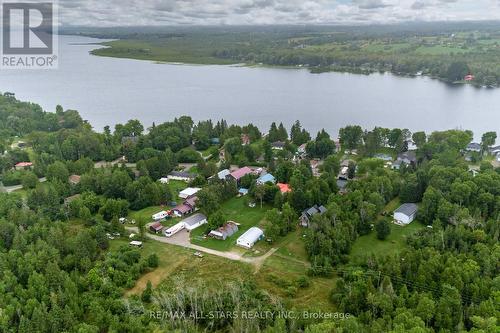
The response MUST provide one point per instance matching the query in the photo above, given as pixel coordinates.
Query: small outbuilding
(222, 233)
(189, 192)
(406, 213)
(156, 227)
(250, 237)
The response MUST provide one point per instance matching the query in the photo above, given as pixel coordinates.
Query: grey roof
(474, 145)
(223, 174)
(341, 183)
(408, 209)
(192, 220)
(314, 210)
(181, 174)
(410, 156)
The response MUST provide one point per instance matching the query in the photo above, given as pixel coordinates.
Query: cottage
(74, 179)
(305, 218)
(156, 227)
(284, 188)
(250, 237)
(181, 175)
(406, 213)
(194, 221)
(189, 192)
(474, 146)
(267, 178)
(222, 233)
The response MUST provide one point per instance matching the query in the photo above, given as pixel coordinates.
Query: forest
(446, 51)
(59, 276)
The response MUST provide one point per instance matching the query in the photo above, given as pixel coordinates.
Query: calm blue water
(107, 91)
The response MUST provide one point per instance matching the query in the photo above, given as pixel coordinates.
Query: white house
(194, 221)
(406, 213)
(189, 192)
(174, 229)
(159, 216)
(181, 175)
(250, 237)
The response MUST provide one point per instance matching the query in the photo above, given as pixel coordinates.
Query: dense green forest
(62, 272)
(447, 51)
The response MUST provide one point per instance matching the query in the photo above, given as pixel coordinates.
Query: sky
(262, 12)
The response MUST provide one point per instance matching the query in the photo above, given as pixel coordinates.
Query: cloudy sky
(241, 12)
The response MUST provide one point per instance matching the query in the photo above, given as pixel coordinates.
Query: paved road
(182, 239)
(10, 189)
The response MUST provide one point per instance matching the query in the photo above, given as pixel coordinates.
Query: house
(174, 229)
(223, 174)
(342, 185)
(242, 192)
(284, 188)
(164, 180)
(384, 157)
(189, 192)
(194, 221)
(305, 218)
(278, 145)
(160, 216)
(130, 140)
(267, 178)
(302, 149)
(240, 173)
(227, 230)
(215, 141)
(181, 175)
(495, 150)
(474, 146)
(187, 207)
(23, 165)
(406, 158)
(406, 213)
(250, 237)
(498, 157)
(156, 227)
(245, 139)
(74, 179)
(469, 77)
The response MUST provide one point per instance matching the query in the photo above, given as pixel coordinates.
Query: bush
(153, 260)
(29, 180)
(383, 229)
(303, 282)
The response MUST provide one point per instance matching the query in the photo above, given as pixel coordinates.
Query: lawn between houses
(235, 210)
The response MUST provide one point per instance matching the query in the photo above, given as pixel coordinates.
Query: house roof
(341, 183)
(408, 156)
(183, 209)
(314, 210)
(278, 144)
(243, 190)
(192, 220)
(284, 188)
(408, 209)
(191, 201)
(474, 146)
(251, 235)
(223, 174)
(24, 164)
(182, 174)
(266, 178)
(190, 191)
(238, 174)
(75, 179)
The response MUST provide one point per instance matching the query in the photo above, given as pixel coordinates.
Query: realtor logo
(29, 36)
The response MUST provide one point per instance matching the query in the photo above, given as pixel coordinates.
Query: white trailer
(159, 216)
(174, 229)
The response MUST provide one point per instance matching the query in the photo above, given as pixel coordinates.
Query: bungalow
(187, 207)
(250, 237)
(474, 146)
(194, 221)
(407, 158)
(222, 233)
(23, 165)
(240, 173)
(181, 175)
(156, 227)
(305, 218)
(189, 192)
(74, 179)
(406, 213)
(223, 174)
(267, 178)
(278, 145)
(284, 188)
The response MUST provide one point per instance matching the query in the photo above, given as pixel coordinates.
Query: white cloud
(206, 12)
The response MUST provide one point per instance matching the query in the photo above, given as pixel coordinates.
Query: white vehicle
(136, 243)
(174, 229)
(160, 216)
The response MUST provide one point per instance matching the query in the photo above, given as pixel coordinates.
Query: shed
(250, 237)
(156, 227)
(406, 213)
(227, 230)
(189, 192)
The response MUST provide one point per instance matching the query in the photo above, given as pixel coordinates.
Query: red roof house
(469, 77)
(156, 227)
(284, 188)
(23, 165)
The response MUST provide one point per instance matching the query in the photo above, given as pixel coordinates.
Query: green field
(235, 210)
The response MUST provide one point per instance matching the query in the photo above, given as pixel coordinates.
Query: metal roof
(192, 220)
(408, 209)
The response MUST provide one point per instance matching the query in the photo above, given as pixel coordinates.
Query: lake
(107, 91)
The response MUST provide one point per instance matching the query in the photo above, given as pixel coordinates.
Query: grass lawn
(368, 244)
(235, 210)
(177, 186)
